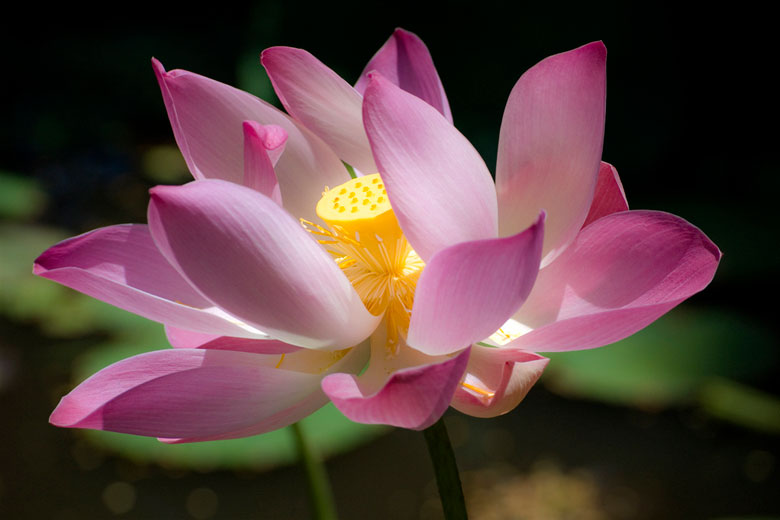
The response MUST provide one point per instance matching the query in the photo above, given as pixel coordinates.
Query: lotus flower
(445, 283)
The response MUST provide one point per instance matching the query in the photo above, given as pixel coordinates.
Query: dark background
(691, 127)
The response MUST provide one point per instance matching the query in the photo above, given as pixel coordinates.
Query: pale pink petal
(414, 396)
(263, 145)
(469, 290)
(609, 196)
(318, 97)
(207, 119)
(405, 61)
(550, 145)
(497, 380)
(122, 266)
(439, 187)
(194, 394)
(181, 338)
(622, 272)
(251, 258)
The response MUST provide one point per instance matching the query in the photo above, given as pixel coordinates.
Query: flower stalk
(446, 469)
(320, 493)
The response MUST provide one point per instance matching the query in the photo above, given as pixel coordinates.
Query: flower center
(368, 245)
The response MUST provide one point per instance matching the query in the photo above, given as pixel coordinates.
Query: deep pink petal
(207, 119)
(497, 380)
(469, 290)
(250, 257)
(413, 397)
(263, 145)
(609, 197)
(550, 145)
(623, 272)
(318, 97)
(181, 338)
(406, 62)
(122, 266)
(439, 187)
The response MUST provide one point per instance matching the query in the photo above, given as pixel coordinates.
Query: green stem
(446, 469)
(319, 487)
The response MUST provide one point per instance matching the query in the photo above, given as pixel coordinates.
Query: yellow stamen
(365, 240)
(280, 361)
(478, 390)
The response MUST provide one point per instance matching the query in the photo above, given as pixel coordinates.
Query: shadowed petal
(318, 97)
(417, 392)
(252, 259)
(405, 61)
(207, 119)
(497, 380)
(181, 338)
(122, 266)
(623, 272)
(439, 187)
(550, 145)
(263, 144)
(609, 196)
(469, 290)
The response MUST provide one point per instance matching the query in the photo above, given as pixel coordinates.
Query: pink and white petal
(623, 272)
(439, 187)
(550, 145)
(609, 196)
(318, 97)
(263, 145)
(207, 118)
(406, 62)
(496, 380)
(251, 258)
(416, 393)
(183, 393)
(351, 363)
(122, 266)
(181, 338)
(469, 290)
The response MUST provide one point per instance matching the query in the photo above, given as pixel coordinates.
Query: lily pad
(667, 362)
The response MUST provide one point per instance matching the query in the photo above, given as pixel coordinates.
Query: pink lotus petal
(405, 61)
(609, 196)
(623, 272)
(414, 396)
(182, 393)
(248, 256)
(318, 97)
(197, 394)
(121, 265)
(262, 147)
(207, 119)
(181, 338)
(439, 187)
(469, 290)
(497, 380)
(550, 145)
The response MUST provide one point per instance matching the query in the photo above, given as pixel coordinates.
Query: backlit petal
(609, 196)
(263, 145)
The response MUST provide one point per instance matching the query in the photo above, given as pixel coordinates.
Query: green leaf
(668, 361)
